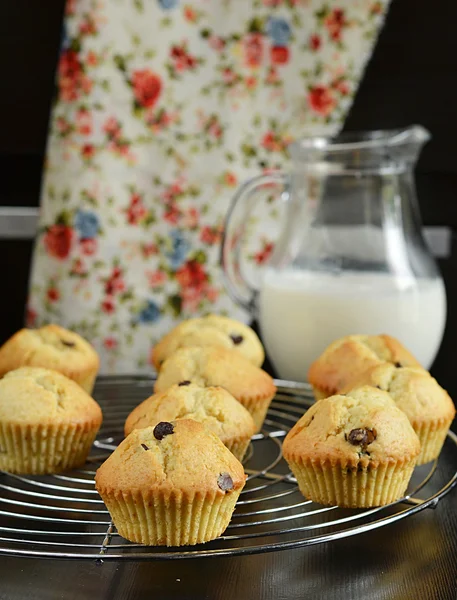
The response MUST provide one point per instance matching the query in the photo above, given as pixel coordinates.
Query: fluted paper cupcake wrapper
(238, 447)
(431, 436)
(41, 449)
(258, 408)
(176, 519)
(336, 485)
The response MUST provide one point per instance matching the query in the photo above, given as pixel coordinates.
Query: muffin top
(215, 366)
(172, 456)
(34, 396)
(346, 359)
(214, 407)
(364, 428)
(212, 330)
(414, 391)
(51, 347)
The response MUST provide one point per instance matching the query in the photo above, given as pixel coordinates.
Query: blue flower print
(179, 249)
(87, 223)
(279, 31)
(150, 313)
(168, 4)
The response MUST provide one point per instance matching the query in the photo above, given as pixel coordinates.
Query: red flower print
(70, 75)
(191, 218)
(210, 235)
(251, 82)
(253, 49)
(334, 22)
(108, 306)
(229, 76)
(190, 14)
(315, 42)
(156, 278)
(230, 179)
(216, 43)
(58, 240)
(136, 210)
(87, 151)
(87, 27)
(147, 87)
(88, 246)
(78, 267)
(182, 60)
(272, 142)
(115, 283)
(63, 126)
(279, 55)
(376, 9)
(84, 121)
(110, 343)
(112, 127)
(91, 59)
(272, 76)
(172, 213)
(342, 87)
(53, 294)
(321, 100)
(191, 275)
(263, 255)
(30, 317)
(149, 250)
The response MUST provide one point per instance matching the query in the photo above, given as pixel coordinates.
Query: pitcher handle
(238, 287)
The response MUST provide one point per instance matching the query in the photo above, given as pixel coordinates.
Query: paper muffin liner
(352, 487)
(170, 519)
(431, 436)
(258, 408)
(238, 446)
(41, 449)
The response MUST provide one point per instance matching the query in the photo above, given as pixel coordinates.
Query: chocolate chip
(162, 429)
(225, 482)
(236, 339)
(186, 382)
(379, 387)
(361, 437)
(68, 343)
(398, 365)
(144, 447)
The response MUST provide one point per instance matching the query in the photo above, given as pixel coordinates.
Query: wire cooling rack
(62, 516)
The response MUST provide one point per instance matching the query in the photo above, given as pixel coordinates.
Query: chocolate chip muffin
(47, 422)
(173, 484)
(427, 405)
(215, 366)
(214, 407)
(212, 330)
(346, 359)
(357, 450)
(52, 347)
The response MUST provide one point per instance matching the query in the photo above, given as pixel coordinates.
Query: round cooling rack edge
(62, 516)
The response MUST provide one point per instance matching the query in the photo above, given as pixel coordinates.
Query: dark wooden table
(414, 559)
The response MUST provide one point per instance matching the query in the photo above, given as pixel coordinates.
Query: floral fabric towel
(163, 108)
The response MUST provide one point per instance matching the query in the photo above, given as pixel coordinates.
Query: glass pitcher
(350, 257)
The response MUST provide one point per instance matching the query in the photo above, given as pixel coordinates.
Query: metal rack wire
(62, 516)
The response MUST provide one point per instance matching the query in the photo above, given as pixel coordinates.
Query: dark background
(412, 78)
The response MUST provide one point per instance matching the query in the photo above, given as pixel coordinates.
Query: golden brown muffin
(357, 450)
(214, 407)
(428, 407)
(346, 359)
(47, 422)
(173, 484)
(212, 330)
(215, 366)
(52, 347)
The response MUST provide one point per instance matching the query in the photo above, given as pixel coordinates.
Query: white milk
(302, 312)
